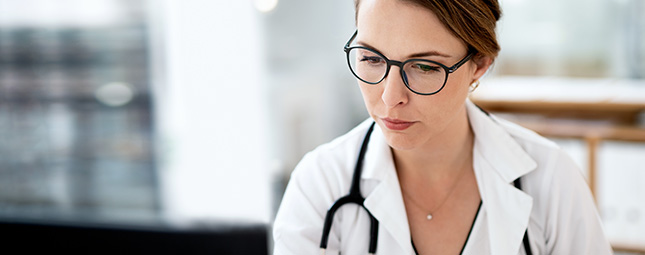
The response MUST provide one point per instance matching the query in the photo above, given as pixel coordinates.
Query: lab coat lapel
(508, 209)
(498, 161)
(385, 201)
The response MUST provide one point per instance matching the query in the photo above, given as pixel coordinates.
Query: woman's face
(400, 30)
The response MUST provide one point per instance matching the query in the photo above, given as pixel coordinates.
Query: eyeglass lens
(421, 76)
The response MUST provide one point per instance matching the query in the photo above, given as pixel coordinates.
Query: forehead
(399, 28)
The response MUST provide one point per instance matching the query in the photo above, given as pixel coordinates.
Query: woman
(439, 175)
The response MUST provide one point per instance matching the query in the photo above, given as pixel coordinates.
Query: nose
(394, 90)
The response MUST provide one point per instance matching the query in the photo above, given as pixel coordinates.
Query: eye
(425, 67)
(372, 59)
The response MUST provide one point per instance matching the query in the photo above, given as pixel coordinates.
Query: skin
(433, 156)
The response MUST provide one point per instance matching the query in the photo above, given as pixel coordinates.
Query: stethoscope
(355, 197)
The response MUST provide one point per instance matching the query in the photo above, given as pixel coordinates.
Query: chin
(400, 141)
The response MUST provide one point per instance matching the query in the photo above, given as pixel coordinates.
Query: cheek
(371, 95)
(442, 107)
(457, 89)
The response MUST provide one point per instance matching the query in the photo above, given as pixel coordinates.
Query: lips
(396, 124)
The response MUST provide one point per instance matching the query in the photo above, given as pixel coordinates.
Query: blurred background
(193, 113)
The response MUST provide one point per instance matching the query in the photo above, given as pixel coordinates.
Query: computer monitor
(51, 237)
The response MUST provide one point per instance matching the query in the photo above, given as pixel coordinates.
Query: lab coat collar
(508, 158)
(385, 202)
(498, 161)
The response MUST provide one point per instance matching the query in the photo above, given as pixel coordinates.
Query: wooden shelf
(619, 113)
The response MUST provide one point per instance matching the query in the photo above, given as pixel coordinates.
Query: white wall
(208, 67)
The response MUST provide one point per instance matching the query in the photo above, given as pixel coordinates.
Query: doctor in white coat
(439, 175)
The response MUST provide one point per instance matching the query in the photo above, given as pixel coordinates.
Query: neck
(443, 156)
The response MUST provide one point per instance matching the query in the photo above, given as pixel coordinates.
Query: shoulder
(555, 173)
(524, 136)
(553, 163)
(550, 158)
(563, 206)
(321, 177)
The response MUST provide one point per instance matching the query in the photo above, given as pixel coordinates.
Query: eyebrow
(415, 55)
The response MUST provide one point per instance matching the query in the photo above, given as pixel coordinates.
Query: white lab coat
(555, 201)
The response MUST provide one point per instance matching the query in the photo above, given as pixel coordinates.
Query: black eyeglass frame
(400, 64)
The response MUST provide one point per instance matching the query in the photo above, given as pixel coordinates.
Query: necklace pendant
(429, 216)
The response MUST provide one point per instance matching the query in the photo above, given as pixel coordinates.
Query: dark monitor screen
(28, 237)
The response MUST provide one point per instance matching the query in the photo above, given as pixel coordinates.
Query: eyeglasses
(421, 76)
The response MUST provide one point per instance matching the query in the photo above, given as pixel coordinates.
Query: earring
(474, 85)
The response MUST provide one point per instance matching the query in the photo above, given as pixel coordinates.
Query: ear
(482, 63)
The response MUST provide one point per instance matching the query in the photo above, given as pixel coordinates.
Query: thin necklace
(430, 212)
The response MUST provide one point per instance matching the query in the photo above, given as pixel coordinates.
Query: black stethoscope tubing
(355, 197)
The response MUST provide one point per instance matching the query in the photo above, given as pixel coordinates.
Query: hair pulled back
(472, 21)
